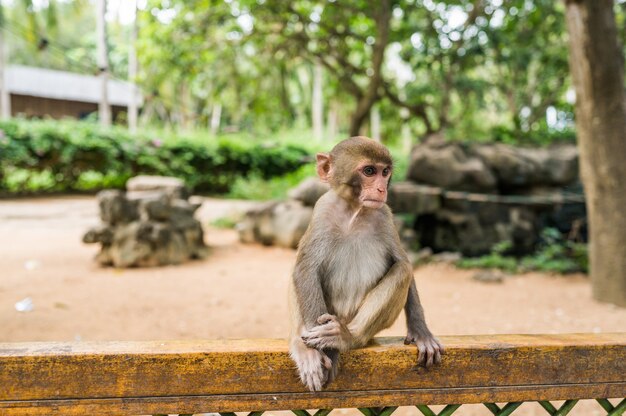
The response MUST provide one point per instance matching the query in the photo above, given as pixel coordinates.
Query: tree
(596, 64)
(104, 109)
(5, 99)
(349, 40)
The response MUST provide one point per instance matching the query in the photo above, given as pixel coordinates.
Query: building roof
(62, 85)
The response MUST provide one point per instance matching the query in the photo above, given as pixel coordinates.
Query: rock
(446, 257)
(154, 206)
(521, 167)
(100, 234)
(422, 256)
(173, 187)
(115, 208)
(407, 197)
(489, 276)
(561, 167)
(473, 228)
(275, 223)
(309, 191)
(150, 226)
(450, 166)
(127, 250)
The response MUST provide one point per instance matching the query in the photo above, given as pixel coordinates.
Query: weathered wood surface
(243, 375)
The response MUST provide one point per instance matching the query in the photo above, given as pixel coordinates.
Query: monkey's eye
(369, 170)
(386, 172)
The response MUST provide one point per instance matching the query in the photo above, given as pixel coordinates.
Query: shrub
(554, 254)
(64, 156)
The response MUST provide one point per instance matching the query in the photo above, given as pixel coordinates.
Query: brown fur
(352, 277)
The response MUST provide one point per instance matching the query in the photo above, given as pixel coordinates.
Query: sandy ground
(239, 291)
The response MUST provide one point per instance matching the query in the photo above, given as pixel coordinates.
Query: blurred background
(156, 158)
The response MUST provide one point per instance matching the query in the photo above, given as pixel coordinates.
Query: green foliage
(541, 136)
(555, 254)
(224, 222)
(255, 187)
(61, 156)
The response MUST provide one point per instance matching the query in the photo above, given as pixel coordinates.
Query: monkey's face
(374, 180)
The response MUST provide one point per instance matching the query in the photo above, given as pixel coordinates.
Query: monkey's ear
(323, 166)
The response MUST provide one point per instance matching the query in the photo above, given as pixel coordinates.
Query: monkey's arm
(308, 286)
(382, 304)
(429, 347)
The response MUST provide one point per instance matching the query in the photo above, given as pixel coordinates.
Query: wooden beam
(126, 378)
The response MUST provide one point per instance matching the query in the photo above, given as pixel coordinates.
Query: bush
(67, 156)
(555, 254)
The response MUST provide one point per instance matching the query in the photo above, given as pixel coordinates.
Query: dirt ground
(239, 291)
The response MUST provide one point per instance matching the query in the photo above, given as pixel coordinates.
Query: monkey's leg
(382, 304)
(314, 367)
(429, 349)
(334, 357)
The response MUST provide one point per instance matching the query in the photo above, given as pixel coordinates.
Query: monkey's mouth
(374, 203)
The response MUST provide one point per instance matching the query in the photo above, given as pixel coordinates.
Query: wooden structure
(130, 378)
(41, 92)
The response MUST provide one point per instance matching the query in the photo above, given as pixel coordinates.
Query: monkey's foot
(429, 349)
(330, 333)
(314, 367)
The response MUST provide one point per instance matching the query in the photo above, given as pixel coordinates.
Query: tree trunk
(596, 64)
(375, 123)
(104, 109)
(317, 107)
(332, 121)
(133, 110)
(216, 117)
(5, 98)
(367, 100)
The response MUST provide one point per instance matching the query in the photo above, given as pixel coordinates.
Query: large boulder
(173, 187)
(519, 167)
(492, 168)
(450, 166)
(411, 198)
(149, 226)
(309, 191)
(275, 223)
(475, 229)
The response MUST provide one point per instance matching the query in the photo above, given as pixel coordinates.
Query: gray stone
(115, 208)
(145, 183)
(309, 191)
(522, 167)
(450, 166)
(446, 257)
(100, 234)
(155, 207)
(149, 226)
(407, 197)
(489, 276)
(275, 223)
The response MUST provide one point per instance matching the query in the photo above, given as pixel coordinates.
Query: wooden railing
(132, 378)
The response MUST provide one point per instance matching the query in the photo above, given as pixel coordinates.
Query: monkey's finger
(430, 355)
(437, 356)
(408, 340)
(327, 362)
(323, 319)
(421, 352)
(442, 350)
(314, 384)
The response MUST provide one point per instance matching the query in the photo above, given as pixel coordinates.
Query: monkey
(352, 277)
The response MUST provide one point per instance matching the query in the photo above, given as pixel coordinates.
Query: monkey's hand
(429, 349)
(330, 333)
(314, 367)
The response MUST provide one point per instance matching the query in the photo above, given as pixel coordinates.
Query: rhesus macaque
(352, 277)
